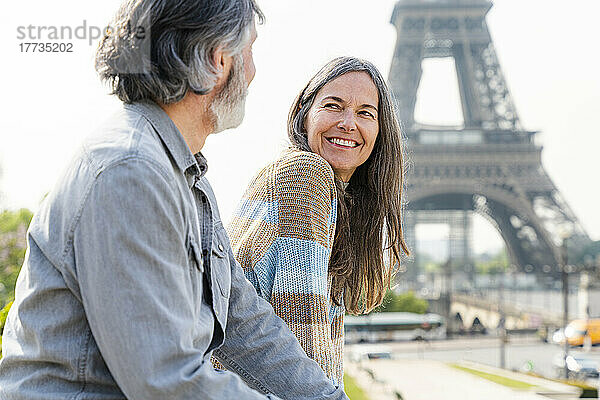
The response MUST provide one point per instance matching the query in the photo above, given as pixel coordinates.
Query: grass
(511, 383)
(582, 385)
(353, 391)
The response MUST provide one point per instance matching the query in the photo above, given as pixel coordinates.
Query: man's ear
(222, 63)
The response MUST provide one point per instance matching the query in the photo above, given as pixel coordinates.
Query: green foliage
(586, 254)
(405, 302)
(11, 221)
(353, 391)
(427, 263)
(3, 315)
(432, 267)
(13, 227)
(495, 264)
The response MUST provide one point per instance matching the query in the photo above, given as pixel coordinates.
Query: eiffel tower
(491, 165)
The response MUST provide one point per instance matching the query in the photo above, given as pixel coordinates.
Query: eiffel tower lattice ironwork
(491, 165)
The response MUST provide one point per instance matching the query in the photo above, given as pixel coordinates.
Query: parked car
(370, 352)
(580, 367)
(578, 331)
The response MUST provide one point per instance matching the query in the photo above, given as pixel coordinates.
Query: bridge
(522, 309)
(472, 313)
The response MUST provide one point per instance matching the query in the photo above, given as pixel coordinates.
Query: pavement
(432, 380)
(520, 353)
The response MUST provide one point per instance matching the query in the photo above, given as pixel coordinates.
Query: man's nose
(348, 121)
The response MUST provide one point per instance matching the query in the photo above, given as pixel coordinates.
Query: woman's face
(343, 122)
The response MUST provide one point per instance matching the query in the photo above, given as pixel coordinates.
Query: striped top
(282, 234)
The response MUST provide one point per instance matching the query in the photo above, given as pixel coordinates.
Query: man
(129, 284)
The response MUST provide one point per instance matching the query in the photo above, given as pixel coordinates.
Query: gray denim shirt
(130, 283)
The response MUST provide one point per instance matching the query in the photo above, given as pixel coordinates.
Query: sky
(547, 50)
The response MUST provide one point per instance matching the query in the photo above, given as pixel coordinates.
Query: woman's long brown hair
(360, 272)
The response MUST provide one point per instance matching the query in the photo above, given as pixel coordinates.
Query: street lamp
(565, 287)
(502, 323)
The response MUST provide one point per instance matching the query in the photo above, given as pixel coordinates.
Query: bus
(393, 326)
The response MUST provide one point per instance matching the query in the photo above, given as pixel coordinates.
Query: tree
(13, 227)
(427, 263)
(3, 315)
(588, 254)
(496, 264)
(405, 302)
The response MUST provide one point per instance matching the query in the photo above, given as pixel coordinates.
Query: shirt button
(220, 247)
(217, 313)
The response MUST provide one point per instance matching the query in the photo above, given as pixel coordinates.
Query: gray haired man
(129, 284)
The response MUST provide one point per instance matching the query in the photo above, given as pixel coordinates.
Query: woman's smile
(345, 144)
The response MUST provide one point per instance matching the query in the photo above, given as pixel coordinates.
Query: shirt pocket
(221, 274)
(222, 268)
(196, 269)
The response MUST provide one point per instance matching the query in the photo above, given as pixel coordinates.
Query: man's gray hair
(161, 49)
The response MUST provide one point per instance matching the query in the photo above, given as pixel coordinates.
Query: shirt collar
(191, 165)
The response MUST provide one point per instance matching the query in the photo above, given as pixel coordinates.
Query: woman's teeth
(342, 142)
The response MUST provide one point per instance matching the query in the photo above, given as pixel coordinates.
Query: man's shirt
(129, 284)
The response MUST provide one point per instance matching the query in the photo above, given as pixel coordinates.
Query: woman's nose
(348, 122)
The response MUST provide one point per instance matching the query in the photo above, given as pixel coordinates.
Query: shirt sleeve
(136, 288)
(305, 192)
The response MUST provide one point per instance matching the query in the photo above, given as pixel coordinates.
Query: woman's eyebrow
(339, 100)
(369, 106)
(334, 98)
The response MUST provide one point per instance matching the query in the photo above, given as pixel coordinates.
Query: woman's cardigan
(282, 235)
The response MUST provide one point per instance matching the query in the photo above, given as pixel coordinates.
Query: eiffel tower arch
(490, 165)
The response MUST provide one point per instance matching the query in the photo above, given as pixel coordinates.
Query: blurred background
(499, 104)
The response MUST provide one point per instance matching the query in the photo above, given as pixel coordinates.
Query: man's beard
(229, 104)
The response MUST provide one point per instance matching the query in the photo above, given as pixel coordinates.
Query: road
(484, 350)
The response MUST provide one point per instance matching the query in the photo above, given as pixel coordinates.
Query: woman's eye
(367, 114)
(332, 106)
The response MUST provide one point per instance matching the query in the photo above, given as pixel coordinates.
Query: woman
(309, 230)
